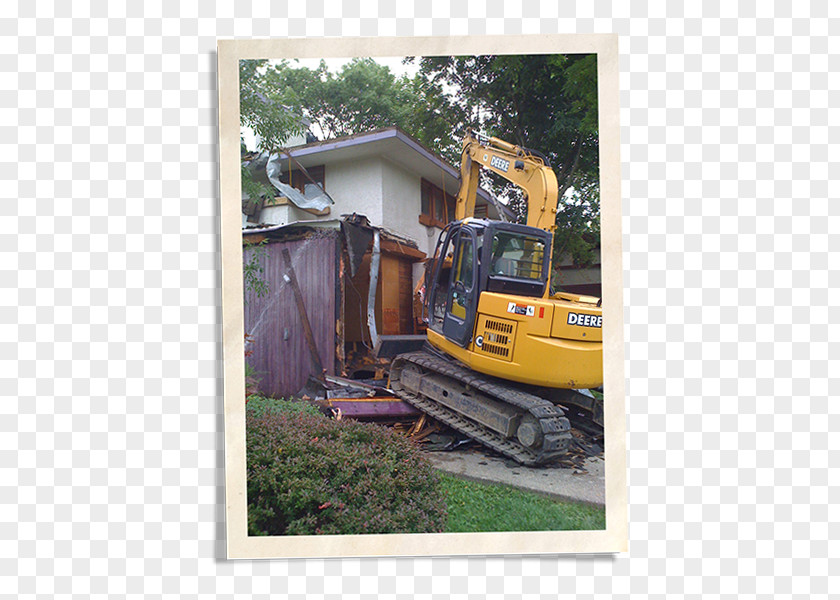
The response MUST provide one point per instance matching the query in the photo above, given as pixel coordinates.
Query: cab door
(462, 297)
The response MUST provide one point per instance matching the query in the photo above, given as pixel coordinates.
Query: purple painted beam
(373, 408)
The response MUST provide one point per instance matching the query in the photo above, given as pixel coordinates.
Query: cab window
(462, 282)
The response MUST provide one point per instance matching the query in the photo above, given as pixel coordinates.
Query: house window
(304, 184)
(437, 208)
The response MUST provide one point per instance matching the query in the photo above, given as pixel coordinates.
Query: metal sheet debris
(317, 199)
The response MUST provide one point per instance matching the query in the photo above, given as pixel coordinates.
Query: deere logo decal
(499, 163)
(584, 320)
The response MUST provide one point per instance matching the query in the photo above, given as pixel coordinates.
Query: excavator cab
(477, 255)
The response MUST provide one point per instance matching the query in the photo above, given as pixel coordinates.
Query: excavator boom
(522, 167)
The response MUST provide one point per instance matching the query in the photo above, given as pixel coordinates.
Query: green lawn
(482, 507)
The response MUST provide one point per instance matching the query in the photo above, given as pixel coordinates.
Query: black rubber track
(551, 418)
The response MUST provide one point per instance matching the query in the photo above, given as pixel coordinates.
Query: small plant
(252, 380)
(310, 475)
(253, 270)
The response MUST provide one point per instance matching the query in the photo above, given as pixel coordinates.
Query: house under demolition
(338, 291)
(341, 291)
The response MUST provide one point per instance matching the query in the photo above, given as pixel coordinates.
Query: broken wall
(393, 309)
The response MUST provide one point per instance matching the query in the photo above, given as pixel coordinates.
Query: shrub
(259, 405)
(311, 475)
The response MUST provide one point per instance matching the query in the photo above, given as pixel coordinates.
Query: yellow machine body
(553, 342)
(489, 306)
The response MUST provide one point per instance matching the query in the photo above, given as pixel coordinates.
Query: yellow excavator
(505, 358)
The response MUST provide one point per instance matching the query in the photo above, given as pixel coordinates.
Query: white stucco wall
(401, 206)
(355, 186)
(384, 192)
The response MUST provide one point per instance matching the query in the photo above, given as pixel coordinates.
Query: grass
(477, 506)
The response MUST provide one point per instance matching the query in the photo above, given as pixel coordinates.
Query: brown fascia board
(402, 249)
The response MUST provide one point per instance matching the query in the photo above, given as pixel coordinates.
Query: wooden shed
(313, 314)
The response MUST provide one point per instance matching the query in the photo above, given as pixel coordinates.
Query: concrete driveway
(584, 485)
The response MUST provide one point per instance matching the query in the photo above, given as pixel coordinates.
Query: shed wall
(280, 353)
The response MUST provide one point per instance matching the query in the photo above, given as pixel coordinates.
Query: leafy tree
(270, 111)
(578, 231)
(545, 102)
(365, 95)
(434, 119)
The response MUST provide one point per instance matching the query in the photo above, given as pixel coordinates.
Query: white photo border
(238, 543)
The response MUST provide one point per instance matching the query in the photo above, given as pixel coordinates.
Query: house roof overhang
(394, 145)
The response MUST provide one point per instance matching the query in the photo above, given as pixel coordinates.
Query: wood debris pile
(359, 358)
(418, 429)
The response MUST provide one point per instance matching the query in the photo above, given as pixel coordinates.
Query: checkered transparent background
(111, 448)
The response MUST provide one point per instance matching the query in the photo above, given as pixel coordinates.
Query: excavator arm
(520, 166)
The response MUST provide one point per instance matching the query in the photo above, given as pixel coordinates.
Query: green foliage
(581, 87)
(270, 110)
(578, 232)
(361, 97)
(252, 188)
(253, 269)
(259, 405)
(311, 475)
(435, 120)
(545, 102)
(364, 96)
(476, 506)
(535, 101)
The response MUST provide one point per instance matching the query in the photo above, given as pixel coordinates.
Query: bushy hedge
(311, 475)
(259, 405)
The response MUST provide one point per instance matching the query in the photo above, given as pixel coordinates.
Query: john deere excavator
(504, 356)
